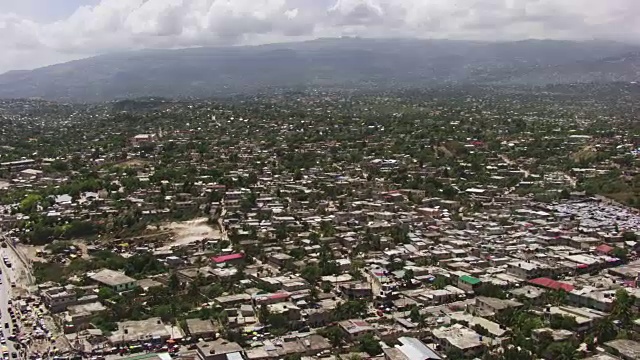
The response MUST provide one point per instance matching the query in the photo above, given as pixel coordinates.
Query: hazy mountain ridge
(331, 63)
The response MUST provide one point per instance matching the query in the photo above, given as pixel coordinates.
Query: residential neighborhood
(210, 231)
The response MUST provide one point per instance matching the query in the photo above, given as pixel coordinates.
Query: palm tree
(562, 351)
(604, 330)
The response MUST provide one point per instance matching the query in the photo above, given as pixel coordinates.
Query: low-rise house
(272, 298)
(460, 338)
(556, 334)
(551, 284)
(308, 346)
(219, 350)
(410, 349)
(280, 260)
(495, 330)
(232, 259)
(353, 329)
(201, 329)
(626, 349)
(115, 280)
(356, 290)
(58, 298)
(290, 311)
(529, 293)
(584, 317)
(469, 283)
(149, 330)
(489, 305)
(593, 298)
(228, 301)
(528, 269)
(79, 315)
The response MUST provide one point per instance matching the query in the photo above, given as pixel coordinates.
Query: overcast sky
(35, 33)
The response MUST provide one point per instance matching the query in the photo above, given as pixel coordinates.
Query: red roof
(280, 295)
(552, 284)
(225, 258)
(273, 296)
(604, 248)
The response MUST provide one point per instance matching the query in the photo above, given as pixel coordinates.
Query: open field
(190, 231)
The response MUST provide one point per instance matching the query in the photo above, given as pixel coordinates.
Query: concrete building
(115, 280)
(219, 350)
(353, 329)
(626, 349)
(58, 298)
(198, 328)
(149, 330)
(460, 338)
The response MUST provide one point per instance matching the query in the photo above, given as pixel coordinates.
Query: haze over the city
(36, 33)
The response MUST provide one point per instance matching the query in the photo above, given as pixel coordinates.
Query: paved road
(5, 294)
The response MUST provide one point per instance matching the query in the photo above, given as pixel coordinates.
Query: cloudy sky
(35, 33)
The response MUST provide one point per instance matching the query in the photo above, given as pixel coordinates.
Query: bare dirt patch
(584, 154)
(31, 251)
(187, 232)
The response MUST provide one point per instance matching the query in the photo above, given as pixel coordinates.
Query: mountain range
(337, 63)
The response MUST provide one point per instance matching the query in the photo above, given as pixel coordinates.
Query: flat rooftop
(111, 278)
(198, 326)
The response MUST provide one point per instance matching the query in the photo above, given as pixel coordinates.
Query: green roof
(470, 279)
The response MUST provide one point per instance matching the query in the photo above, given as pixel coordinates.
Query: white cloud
(134, 24)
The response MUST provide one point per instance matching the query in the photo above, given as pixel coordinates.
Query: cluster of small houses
(34, 173)
(543, 247)
(521, 246)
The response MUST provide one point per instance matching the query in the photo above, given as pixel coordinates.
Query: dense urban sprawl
(410, 225)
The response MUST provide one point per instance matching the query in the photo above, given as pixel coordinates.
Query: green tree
(350, 309)
(629, 236)
(368, 343)
(311, 273)
(334, 334)
(408, 275)
(620, 253)
(314, 293)
(263, 314)
(622, 307)
(281, 232)
(604, 330)
(491, 290)
(515, 353)
(415, 315)
(558, 321)
(106, 293)
(562, 351)
(454, 353)
(28, 204)
(174, 283)
(590, 342)
(277, 321)
(439, 283)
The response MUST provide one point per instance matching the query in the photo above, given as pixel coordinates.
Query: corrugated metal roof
(234, 356)
(224, 258)
(470, 279)
(414, 349)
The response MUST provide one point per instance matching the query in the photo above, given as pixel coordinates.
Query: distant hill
(349, 63)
